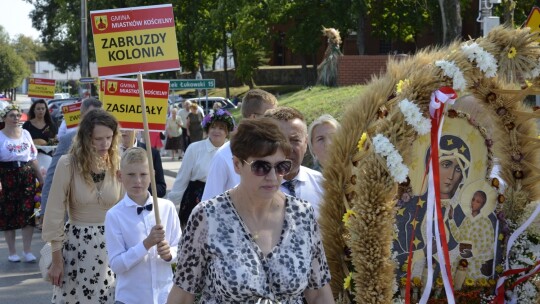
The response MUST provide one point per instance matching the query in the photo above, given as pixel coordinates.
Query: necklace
(255, 233)
(97, 178)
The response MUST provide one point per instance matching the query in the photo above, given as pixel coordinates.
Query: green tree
(13, 68)
(59, 22)
(30, 50)
(250, 39)
(398, 20)
(515, 13)
(4, 36)
(308, 19)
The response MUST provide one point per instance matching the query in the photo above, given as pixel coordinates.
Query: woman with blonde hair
(85, 186)
(320, 134)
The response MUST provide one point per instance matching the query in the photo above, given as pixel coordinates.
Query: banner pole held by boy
(148, 149)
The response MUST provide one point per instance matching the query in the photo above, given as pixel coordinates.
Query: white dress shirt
(183, 114)
(63, 129)
(308, 187)
(221, 175)
(141, 275)
(195, 167)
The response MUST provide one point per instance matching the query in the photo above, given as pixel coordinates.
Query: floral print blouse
(219, 258)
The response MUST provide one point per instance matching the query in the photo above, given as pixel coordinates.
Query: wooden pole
(148, 149)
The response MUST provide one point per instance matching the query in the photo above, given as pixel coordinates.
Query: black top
(46, 133)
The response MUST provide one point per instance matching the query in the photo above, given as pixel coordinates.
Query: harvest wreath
(373, 154)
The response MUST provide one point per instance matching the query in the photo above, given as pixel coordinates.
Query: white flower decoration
(534, 227)
(394, 161)
(414, 117)
(534, 72)
(451, 70)
(7, 109)
(484, 60)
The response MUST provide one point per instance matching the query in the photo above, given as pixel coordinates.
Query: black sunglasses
(262, 167)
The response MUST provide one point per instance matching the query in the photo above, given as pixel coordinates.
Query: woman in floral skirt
(18, 173)
(85, 186)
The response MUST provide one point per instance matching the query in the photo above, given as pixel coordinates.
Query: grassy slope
(320, 100)
(311, 102)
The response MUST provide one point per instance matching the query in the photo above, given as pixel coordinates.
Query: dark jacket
(161, 186)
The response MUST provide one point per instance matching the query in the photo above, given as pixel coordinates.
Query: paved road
(21, 283)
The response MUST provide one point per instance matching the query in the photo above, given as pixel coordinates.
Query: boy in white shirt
(141, 252)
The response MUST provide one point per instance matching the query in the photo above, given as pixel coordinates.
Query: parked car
(175, 99)
(226, 103)
(56, 96)
(61, 95)
(55, 108)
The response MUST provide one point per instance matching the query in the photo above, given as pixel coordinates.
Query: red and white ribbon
(434, 215)
(444, 95)
(499, 299)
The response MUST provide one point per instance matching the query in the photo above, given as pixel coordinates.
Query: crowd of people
(245, 230)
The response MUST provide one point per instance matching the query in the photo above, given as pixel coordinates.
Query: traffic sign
(192, 84)
(533, 21)
(87, 80)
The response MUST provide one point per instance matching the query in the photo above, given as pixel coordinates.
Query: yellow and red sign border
(154, 91)
(146, 13)
(41, 81)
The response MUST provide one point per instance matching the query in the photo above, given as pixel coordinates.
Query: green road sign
(192, 84)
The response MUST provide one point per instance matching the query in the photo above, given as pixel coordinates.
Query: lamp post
(84, 43)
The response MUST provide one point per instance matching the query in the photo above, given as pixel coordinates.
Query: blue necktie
(147, 207)
(290, 186)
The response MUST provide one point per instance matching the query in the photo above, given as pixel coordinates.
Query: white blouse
(21, 149)
(195, 167)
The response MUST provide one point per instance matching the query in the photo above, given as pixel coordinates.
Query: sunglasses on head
(262, 167)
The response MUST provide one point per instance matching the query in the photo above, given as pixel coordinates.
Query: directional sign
(193, 84)
(133, 40)
(533, 21)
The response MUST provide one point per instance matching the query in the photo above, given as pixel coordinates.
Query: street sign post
(184, 84)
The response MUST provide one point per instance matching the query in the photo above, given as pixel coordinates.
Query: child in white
(140, 251)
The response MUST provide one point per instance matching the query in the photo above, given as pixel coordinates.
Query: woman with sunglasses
(253, 244)
(18, 172)
(189, 185)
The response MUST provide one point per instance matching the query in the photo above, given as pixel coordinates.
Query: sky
(15, 19)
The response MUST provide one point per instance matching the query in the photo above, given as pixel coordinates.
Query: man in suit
(64, 144)
(130, 140)
(302, 182)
